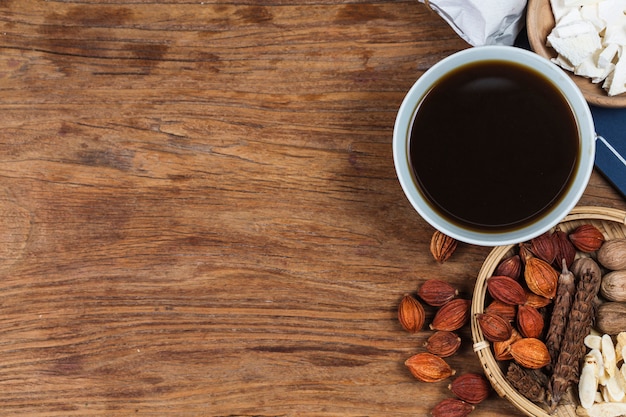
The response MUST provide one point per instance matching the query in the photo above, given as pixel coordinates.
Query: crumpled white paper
(483, 22)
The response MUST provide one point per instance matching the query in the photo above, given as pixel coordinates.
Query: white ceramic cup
(580, 109)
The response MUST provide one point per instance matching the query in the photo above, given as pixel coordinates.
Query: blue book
(611, 145)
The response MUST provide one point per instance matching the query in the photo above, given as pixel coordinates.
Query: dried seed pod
(452, 316)
(494, 327)
(611, 317)
(442, 246)
(543, 247)
(470, 387)
(502, 350)
(530, 353)
(529, 321)
(504, 310)
(579, 322)
(509, 267)
(612, 254)
(525, 252)
(436, 292)
(540, 277)
(560, 312)
(530, 382)
(537, 301)
(564, 248)
(613, 286)
(587, 238)
(506, 289)
(443, 343)
(584, 264)
(452, 407)
(411, 314)
(428, 367)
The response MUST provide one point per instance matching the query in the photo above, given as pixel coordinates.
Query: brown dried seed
(535, 300)
(507, 311)
(452, 316)
(470, 387)
(451, 407)
(564, 249)
(611, 317)
(442, 246)
(543, 247)
(506, 289)
(525, 252)
(612, 254)
(436, 292)
(541, 277)
(502, 350)
(530, 353)
(428, 367)
(613, 286)
(510, 267)
(529, 321)
(587, 238)
(494, 327)
(443, 343)
(411, 314)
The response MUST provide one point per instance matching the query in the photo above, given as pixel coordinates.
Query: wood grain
(200, 214)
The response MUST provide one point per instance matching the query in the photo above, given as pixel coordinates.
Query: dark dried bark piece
(567, 368)
(531, 383)
(566, 288)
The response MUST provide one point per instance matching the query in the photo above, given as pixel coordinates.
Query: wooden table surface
(200, 214)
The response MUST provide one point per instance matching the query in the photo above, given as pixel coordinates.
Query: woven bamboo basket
(612, 223)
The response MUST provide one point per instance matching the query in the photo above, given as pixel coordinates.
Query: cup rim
(557, 76)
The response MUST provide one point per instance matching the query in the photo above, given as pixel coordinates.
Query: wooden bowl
(539, 24)
(612, 223)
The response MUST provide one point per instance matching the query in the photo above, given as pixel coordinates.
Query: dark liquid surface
(494, 146)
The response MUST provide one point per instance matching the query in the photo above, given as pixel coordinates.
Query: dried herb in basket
(567, 367)
(532, 382)
(562, 303)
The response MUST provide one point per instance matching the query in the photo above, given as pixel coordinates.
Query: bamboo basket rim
(492, 369)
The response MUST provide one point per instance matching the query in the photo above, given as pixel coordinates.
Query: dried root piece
(530, 382)
(601, 381)
(603, 410)
(593, 341)
(562, 304)
(588, 383)
(581, 317)
(608, 355)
